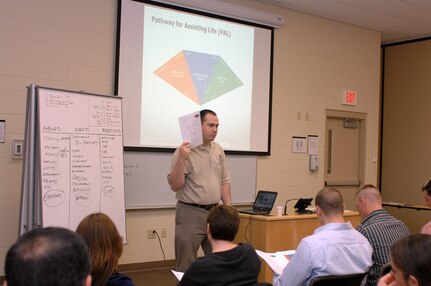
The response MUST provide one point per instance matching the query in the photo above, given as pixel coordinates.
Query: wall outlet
(151, 233)
(164, 232)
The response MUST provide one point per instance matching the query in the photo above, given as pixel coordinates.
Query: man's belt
(206, 207)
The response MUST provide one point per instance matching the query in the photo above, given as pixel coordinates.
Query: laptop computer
(263, 203)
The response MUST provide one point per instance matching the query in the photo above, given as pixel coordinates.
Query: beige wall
(406, 161)
(71, 45)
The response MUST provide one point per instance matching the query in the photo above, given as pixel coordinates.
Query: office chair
(385, 269)
(338, 280)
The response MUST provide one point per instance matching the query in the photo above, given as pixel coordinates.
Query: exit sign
(349, 97)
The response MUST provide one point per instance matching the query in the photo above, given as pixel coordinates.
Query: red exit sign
(349, 97)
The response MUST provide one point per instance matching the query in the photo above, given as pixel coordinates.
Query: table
(274, 233)
(406, 206)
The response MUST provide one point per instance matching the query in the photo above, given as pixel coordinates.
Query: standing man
(200, 177)
(380, 228)
(335, 248)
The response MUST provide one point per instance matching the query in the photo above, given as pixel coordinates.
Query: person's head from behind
(329, 202)
(49, 256)
(209, 122)
(426, 190)
(411, 260)
(367, 200)
(223, 223)
(105, 245)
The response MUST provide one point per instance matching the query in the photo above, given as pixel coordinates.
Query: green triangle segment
(223, 80)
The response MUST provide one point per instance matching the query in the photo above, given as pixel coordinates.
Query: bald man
(380, 228)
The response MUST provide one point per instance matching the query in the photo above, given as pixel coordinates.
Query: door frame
(361, 117)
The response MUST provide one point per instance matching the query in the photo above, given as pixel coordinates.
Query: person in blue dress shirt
(335, 248)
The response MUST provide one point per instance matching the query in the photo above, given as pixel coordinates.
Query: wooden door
(344, 156)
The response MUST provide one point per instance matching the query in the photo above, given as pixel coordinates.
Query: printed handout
(179, 275)
(277, 260)
(191, 130)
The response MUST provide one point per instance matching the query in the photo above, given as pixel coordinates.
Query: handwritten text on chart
(81, 157)
(72, 155)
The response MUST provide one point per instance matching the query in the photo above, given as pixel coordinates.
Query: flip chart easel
(73, 163)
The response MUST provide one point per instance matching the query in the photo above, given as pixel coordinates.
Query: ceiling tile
(398, 20)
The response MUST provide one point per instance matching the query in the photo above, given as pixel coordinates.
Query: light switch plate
(17, 149)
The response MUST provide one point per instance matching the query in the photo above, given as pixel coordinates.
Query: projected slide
(175, 62)
(201, 77)
(188, 65)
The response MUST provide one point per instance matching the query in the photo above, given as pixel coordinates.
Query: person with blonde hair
(105, 246)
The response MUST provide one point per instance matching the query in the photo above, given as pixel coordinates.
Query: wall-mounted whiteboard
(146, 185)
(81, 157)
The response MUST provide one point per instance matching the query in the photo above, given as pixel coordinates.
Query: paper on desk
(179, 275)
(277, 260)
(191, 129)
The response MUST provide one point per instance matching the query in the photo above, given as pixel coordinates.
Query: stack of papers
(277, 260)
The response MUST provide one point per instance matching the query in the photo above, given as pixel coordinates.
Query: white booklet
(178, 274)
(191, 128)
(277, 260)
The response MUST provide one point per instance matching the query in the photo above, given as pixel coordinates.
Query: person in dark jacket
(229, 263)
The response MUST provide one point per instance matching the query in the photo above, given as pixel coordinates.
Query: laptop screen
(264, 200)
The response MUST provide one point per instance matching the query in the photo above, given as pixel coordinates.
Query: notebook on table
(263, 203)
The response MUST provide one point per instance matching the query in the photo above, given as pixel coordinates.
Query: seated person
(51, 256)
(380, 228)
(335, 248)
(229, 263)
(426, 190)
(105, 246)
(410, 262)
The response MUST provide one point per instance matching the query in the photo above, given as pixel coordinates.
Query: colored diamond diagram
(199, 76)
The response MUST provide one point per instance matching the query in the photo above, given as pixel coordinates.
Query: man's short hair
(369, 191)
(223, 222)
(330, 201)
(427, 187)
(47, 257)
(204, 112)
(367, 186)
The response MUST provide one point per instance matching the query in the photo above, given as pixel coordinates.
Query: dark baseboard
(146, 265)
(136, 266)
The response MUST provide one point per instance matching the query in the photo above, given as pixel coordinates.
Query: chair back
(339, 280)
(385, 269)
